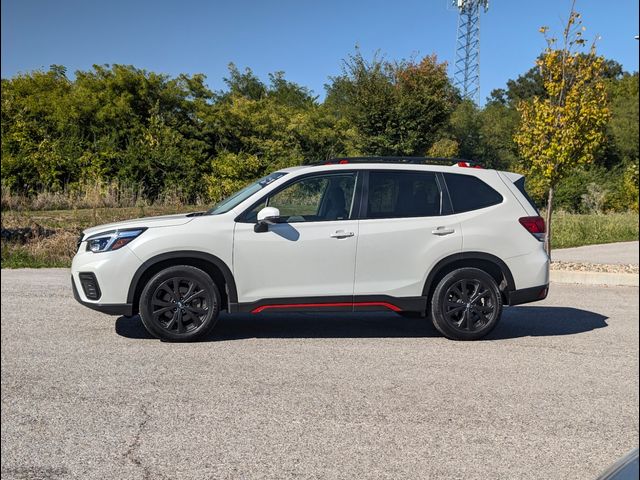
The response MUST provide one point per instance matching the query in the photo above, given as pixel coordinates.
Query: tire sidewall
(438, 298)
(185, 271)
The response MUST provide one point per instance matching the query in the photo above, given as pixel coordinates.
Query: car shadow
(516, 322)
(543, 321)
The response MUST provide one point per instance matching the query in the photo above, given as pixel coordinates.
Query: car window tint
(403, 194)
(313, 199)
(470, 193)
(520, 186)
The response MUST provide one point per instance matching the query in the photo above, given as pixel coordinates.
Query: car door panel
(312, 254)
(395, 255)
(295, 260)
(396, 252)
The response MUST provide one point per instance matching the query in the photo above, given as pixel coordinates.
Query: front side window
(313, 199)
(403, 194)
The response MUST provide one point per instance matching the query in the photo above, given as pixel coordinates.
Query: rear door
(406, 227)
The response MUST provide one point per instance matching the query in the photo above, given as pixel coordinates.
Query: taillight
(535, 226)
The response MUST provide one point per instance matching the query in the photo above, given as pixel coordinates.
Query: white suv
(455, 243)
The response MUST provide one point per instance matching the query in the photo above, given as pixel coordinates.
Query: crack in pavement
(132, 452)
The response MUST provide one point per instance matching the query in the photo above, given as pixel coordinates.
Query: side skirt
(358, 303)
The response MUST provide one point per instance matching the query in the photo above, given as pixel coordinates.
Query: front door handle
(440, 231)
(341, 234)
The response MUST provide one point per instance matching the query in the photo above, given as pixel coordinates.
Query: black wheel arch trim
(456, 257)
(232, 292)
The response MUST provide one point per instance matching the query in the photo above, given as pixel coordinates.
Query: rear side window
(520, 186)
(470, 193)
(403, 194)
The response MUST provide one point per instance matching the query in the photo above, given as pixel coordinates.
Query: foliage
(623, 126)
(394, 108)
(575, 230)
(531, 84)
(566, 129)
(118, 135)
(628, 194)
(444, 148)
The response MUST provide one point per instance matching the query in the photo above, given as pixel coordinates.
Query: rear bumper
(527, 295)
(108, 308)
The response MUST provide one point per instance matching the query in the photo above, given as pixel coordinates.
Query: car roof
(388, 163)
(400, 160)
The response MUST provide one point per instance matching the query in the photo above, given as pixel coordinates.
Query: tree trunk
(547, 239)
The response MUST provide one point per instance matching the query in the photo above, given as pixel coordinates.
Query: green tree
(395, 108)
(531, 84)
(244, 84)
(566, 127)
(444, 148)
(623, 126)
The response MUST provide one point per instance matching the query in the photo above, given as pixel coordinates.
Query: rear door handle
(341, 234)
(440, 231)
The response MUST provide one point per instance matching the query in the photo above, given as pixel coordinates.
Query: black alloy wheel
(180, 303)
(466, 304)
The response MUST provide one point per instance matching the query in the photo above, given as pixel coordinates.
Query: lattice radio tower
(467, 66)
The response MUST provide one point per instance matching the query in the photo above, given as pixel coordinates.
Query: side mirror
(267, 216)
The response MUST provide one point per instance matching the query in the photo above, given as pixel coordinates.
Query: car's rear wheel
(180, 303)
(466, 304)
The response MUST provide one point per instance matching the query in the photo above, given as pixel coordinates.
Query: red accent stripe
(316, 305)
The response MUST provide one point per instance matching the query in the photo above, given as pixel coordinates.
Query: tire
(466, 304)
(180, 304)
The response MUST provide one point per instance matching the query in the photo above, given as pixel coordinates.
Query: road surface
(553, 393)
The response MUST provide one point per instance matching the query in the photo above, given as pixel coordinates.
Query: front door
(310, 256)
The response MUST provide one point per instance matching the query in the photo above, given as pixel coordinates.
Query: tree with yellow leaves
(564, 128)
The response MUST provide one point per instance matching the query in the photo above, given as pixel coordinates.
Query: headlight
(112, 240)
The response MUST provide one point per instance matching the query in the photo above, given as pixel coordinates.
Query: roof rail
(411, 160)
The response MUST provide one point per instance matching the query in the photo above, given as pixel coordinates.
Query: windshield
(240, 196)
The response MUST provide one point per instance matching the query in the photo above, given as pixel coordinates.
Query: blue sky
(306, 39)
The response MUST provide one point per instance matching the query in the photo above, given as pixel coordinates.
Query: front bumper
(103, 278)
(108, 308)
(527, 295)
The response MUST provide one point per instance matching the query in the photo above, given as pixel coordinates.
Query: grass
(20, 256)
(79, 219)
(58, 250)
(575, 230)
(569, 230)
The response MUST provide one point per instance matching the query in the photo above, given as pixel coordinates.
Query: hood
(148, 222)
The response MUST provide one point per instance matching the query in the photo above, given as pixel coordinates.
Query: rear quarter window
(520, 186)
(470, 193)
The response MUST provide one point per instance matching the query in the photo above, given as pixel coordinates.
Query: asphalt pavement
(552, 393)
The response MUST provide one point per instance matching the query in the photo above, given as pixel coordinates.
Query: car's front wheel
(180, 303)
(466, 304)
